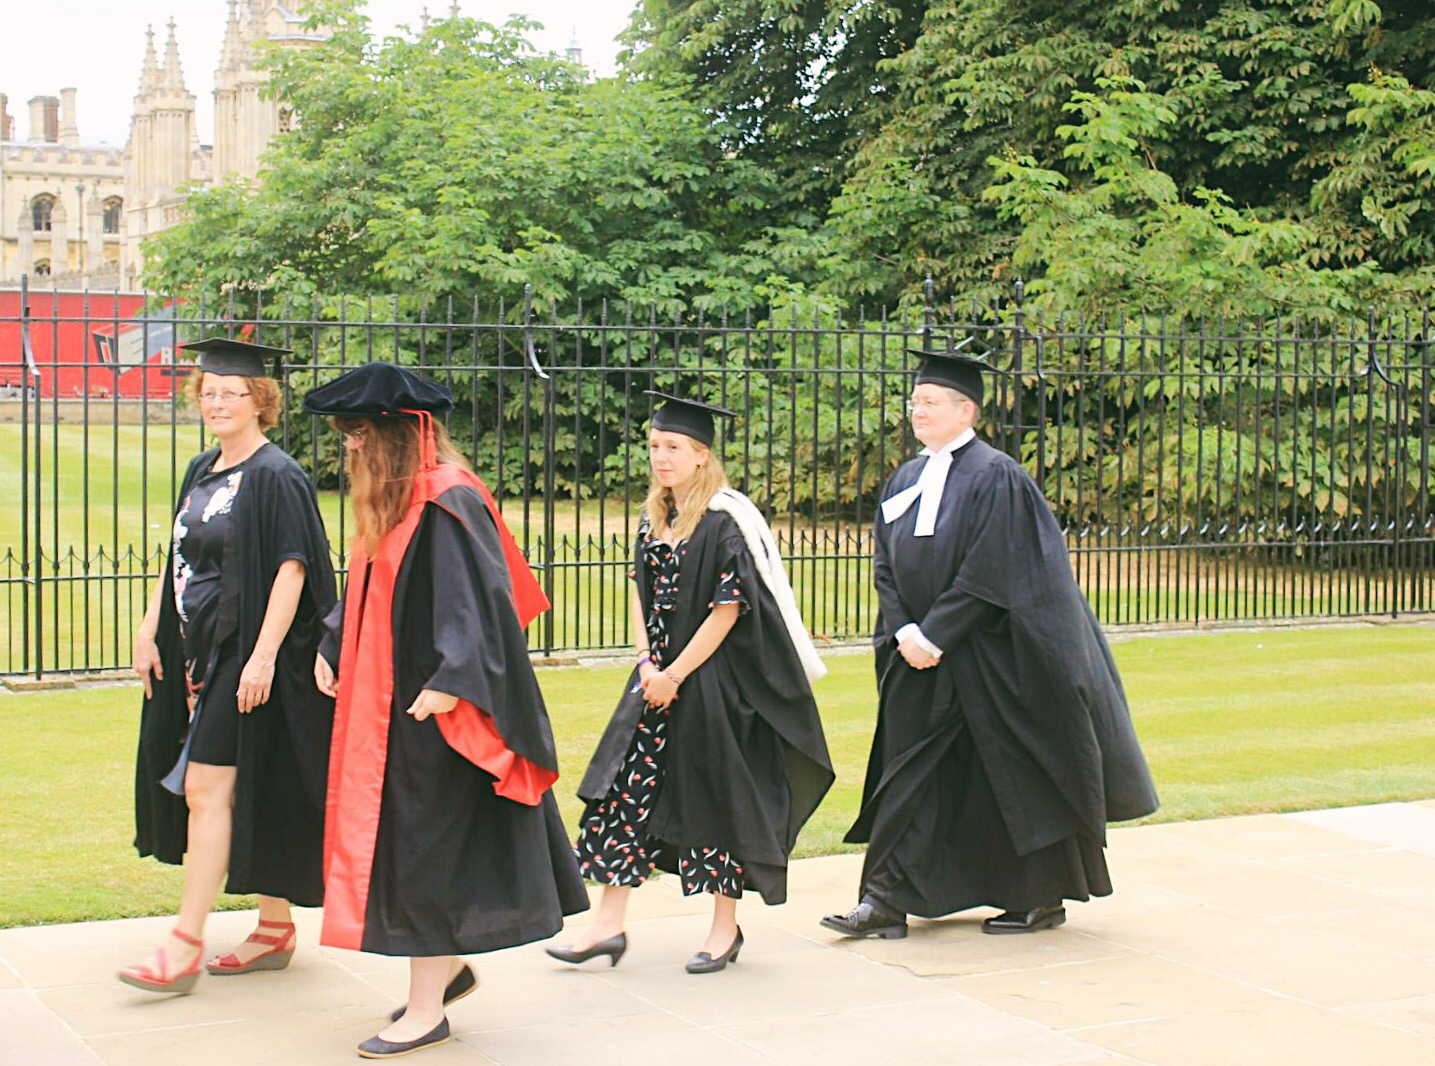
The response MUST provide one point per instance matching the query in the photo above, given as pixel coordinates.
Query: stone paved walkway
(1304, 939)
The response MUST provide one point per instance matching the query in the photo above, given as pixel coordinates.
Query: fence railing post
(32, 572)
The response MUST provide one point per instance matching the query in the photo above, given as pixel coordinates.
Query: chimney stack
(44, 120)
(69, 124)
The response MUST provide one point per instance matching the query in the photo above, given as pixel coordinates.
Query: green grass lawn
(1233, 723)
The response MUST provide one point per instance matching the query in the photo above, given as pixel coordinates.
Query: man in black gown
(1003, 742)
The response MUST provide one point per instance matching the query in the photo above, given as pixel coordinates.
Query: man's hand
(918, 657)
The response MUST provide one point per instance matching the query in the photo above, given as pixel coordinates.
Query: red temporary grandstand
(91, 344)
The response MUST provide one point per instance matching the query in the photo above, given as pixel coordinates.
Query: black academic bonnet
(953, 368)
(220, 355)
(378, 390)
(691, 418)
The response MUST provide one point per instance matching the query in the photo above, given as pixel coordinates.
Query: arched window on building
(40, 209)
(42, 268)
(113, 206)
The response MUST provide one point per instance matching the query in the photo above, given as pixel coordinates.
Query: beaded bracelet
(672, 675)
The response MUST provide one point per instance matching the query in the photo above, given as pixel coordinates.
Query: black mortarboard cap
(692, 418)
(954, 367)
(378, 390)
(220, 355)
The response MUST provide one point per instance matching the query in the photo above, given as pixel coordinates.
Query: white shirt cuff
(914, 631)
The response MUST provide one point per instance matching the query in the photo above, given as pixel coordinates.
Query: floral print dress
(613, 846)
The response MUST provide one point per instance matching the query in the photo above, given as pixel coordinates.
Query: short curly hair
(268, 397)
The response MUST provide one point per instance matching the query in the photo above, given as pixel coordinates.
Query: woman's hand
(255, 681)
(146, 660)
(432, 702)
(324, 678)
(659, 688)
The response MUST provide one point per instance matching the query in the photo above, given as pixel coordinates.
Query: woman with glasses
(234, 737)
(443, 834)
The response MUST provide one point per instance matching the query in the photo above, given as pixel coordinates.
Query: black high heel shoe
(613, 947)
(702, 962)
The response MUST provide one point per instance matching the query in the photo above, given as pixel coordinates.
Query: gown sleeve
(729, 587)
(293, 527)
(332, 641)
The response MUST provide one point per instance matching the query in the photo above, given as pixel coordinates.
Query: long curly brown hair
(381, 472)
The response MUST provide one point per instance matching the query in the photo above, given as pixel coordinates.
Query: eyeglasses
(228, 396)
(927, 404)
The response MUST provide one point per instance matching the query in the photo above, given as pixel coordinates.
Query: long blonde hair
(381, 473)
(691, 505)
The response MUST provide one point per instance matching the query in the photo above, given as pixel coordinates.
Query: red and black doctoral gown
(443, 836)
(992, 776)
(283, 752)
(746, 760)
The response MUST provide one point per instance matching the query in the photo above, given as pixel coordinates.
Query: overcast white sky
(97, 47)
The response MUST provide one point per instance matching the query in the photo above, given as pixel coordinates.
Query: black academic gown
(992, 775)
(454, 867)
(282, 760)
(747, 761)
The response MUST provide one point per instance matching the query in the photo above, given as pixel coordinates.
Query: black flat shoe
(613, 947)
(1046, 917)
(464, 982)
(702, 962)
(374, 1048)
(868, 919)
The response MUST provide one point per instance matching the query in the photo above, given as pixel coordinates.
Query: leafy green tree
(456, 161)
(1378, 199)
(1256, 95)
(1118, 235)
(795, 84)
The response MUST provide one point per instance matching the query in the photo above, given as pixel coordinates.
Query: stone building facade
(76, 216)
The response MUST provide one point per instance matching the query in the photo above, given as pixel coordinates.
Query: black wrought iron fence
(1206, 472)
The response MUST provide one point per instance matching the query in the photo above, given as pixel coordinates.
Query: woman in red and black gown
(443, 837)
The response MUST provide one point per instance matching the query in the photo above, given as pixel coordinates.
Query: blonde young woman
(443, 835)
(715, 756)
(234, 738)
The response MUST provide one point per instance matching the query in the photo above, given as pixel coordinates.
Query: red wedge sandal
(281, 950)
(181, 984)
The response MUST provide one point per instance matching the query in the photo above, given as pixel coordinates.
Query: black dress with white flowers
(613, 846)
(202, 527)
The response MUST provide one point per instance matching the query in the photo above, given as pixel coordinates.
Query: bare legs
(428, 978)
(723, 931)
(209, 792)
(608, 921)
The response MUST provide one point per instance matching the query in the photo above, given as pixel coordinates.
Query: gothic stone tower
(164, 155)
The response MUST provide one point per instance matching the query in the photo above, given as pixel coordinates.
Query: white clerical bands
(931, 483)
(928, 490)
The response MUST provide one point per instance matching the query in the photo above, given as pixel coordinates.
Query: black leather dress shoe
(702, 962)
(1048, 916)
(374, 1048)
(868, 918)
(613, 947)
(464, 982)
